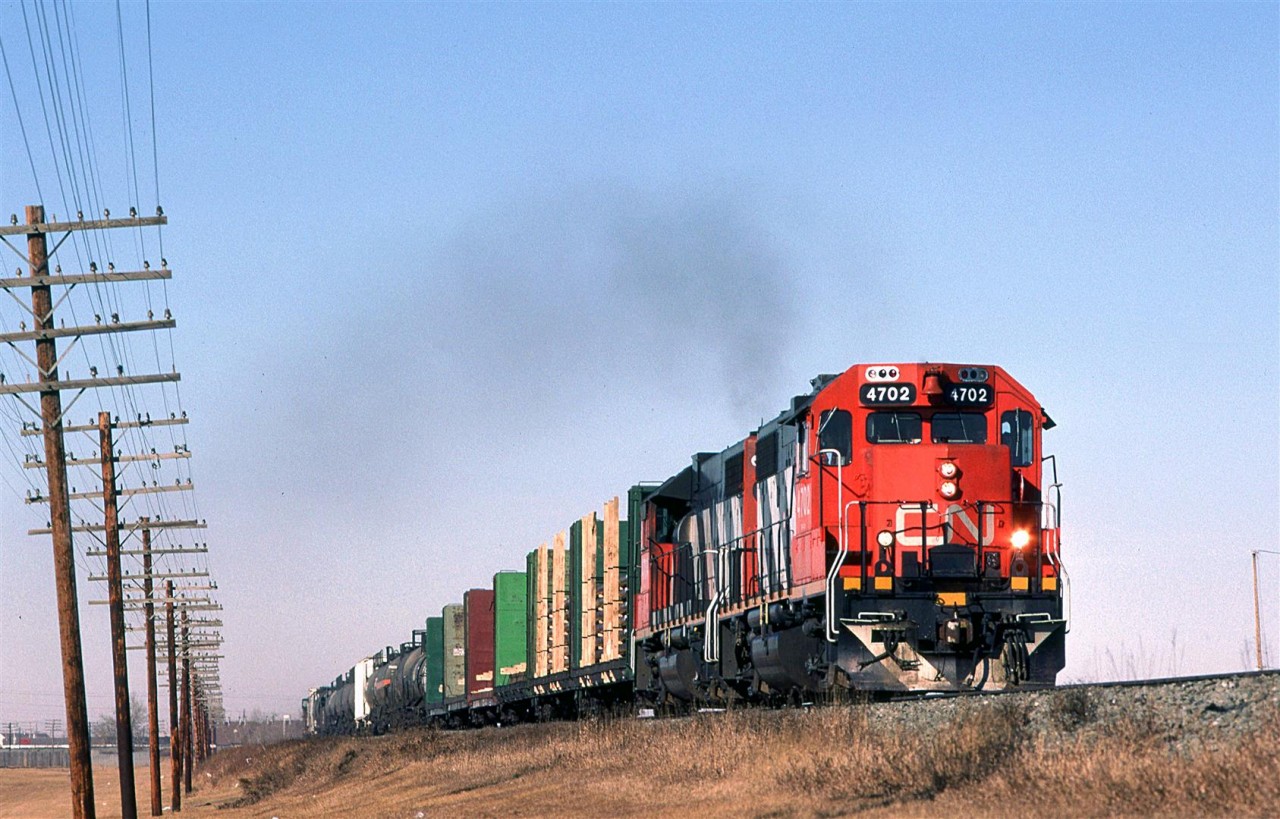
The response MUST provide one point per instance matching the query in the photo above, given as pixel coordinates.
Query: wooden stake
(612, 587)
(559, 606)
(587, 593)
(541, 626)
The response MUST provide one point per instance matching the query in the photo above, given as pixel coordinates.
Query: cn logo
(962, 523)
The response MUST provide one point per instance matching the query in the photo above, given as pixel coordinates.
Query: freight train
(896, 529)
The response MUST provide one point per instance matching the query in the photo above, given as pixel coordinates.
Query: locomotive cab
(945, 565)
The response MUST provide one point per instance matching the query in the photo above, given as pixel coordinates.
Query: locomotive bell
(934, 385)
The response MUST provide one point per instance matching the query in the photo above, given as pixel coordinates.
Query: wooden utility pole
(64, 565)
(175, 727)
(198, 700)
(1257, 614)
(115, 595)
(1257, 607)
(187, 744)
(153, 706)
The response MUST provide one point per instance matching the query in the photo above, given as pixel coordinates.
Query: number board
(887, 394)
(970, 395)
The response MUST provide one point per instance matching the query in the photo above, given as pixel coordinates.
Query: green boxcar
(455, 651)
(434, 643)
(510, 626)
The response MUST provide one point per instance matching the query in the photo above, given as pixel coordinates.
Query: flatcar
(895, 529)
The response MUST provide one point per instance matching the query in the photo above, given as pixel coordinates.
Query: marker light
(947, 469)
(1020, 539)
(949, 489)
(885, 538)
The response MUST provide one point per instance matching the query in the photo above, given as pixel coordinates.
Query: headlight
(949, 489)
(885, 538)
(1020, 539)
(947, 469)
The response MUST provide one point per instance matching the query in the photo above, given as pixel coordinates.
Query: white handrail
(711, 639)
(832, 633)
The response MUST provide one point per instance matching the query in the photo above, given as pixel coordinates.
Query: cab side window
(802, 448)
(835, 431)
(1016, 430)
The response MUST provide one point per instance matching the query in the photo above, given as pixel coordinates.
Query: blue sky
(448, 276)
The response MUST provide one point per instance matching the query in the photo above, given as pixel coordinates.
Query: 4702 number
(976, 395)
(888, 394)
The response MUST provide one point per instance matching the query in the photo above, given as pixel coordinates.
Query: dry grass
(825, 762)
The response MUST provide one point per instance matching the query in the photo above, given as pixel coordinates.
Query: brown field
(985, 758)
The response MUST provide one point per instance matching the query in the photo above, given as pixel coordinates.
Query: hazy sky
(450, 276)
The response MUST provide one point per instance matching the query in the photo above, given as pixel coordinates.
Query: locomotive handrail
(711, 641)
(832, 633)
(737, 548)
(683, 589)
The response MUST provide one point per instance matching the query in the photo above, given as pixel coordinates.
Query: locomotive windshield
(908, 428)
(959, 428)
(893, 428)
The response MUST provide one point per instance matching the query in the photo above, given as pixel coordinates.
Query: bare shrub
(1072, 708)
(885, 765)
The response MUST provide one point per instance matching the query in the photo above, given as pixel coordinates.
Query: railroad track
(1155, 682)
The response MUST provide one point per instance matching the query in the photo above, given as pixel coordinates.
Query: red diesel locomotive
(892, 530)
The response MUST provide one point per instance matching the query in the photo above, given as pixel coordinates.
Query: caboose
(893, 530)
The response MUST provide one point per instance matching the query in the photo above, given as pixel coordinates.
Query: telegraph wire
(13, 91)
(82, 185)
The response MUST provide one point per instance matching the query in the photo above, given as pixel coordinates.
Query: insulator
(106, 214)
(133, 212)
